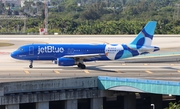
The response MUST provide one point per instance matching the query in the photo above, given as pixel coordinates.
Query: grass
(2, 44)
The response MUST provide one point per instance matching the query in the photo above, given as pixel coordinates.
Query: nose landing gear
(31, 64)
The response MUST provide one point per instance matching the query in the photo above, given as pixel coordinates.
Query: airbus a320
(77, 54)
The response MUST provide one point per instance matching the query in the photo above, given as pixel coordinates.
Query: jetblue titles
(50, 49)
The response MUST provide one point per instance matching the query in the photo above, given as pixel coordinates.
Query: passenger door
(31, 50)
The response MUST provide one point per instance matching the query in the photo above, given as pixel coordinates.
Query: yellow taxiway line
(123, 64)
(148, 71)
(145, 64)
(56, 71)
(172, 64)
(118, 72)
(26, 71)
(86, 71)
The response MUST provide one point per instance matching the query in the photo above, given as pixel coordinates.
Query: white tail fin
(145, 37)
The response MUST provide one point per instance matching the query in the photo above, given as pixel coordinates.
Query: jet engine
(65, 61)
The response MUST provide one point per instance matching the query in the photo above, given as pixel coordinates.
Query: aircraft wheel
(30, 66)
(79, 65)
(83, 66)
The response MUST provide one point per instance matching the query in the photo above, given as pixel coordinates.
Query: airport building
(102, 92)
(15, 3)
(18, 3)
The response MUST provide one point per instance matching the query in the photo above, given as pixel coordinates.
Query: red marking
(106, 54)
(42, 29)
(4, 53)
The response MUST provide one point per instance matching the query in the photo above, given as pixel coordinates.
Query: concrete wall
(48, 85)
(53, 96)
(97, 103)
(14, 106)
(1, 89)
(71, 104)
(42, 105)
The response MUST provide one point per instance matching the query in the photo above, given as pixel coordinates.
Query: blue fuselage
(54, 51)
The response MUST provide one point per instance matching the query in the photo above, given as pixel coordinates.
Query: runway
(139, 67)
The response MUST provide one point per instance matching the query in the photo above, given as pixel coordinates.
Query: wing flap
(84, 56)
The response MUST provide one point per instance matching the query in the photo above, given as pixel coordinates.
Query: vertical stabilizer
(145, 37)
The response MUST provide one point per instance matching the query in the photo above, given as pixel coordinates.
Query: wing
(84, 56)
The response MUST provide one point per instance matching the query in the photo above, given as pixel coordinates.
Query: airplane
(77, 54)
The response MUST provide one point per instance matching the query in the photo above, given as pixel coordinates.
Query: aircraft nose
(13, 55)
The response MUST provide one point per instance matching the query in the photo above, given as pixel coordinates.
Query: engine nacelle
(65, 62)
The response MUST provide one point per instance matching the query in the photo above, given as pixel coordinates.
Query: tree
(173, 106)
(43, 14)
(91, 14)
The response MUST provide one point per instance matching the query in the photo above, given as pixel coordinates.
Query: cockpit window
(21, 49)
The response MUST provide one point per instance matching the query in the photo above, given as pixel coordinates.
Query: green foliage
(2, 30)
(173, 106)
(110, 27)
(100, 17)
(33, 30)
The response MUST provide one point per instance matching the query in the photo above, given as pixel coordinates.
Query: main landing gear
(31, 64)
(82, 66)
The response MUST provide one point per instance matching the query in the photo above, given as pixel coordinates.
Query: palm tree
(173, 106)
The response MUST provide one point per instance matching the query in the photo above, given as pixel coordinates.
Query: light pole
(153, 106)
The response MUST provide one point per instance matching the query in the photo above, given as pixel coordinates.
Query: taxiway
(162, 65)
